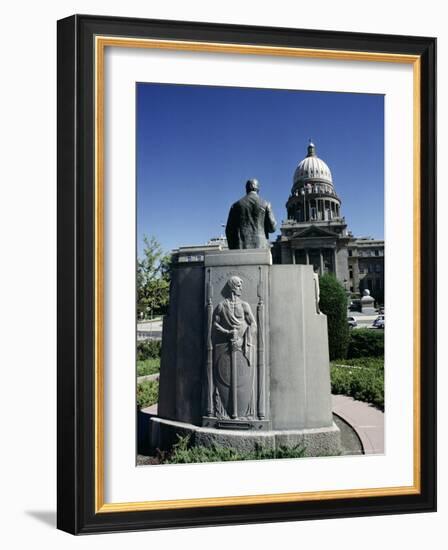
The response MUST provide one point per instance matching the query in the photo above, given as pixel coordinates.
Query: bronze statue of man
(250, 220)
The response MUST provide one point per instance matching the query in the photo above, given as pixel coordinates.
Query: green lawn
(148, 366)
(147, 393)
(361, 378)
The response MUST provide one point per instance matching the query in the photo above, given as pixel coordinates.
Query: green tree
(333, 302)
(153, 278)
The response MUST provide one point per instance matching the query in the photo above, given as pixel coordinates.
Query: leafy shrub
(366, 342)
(148, 348)
(362, 379)
(148, 366)
(147, 393)
(183, 453)
(333, 302)
(366, 362)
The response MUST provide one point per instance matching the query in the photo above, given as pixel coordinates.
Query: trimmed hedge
(149, 348)
(364, 381)
(333, 302)
(366, 342)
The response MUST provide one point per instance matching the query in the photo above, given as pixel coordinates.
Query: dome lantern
(311, 149)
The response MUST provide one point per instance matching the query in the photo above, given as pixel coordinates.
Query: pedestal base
(368, 311)
(316, 441)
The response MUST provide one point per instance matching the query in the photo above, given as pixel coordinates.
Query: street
(150, 330)
(363, 321)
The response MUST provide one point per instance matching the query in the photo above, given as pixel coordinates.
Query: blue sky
(197, 146)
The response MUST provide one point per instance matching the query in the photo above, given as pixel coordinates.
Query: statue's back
(250, 222)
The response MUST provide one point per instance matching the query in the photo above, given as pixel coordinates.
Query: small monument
(367, 303)
(245, 347)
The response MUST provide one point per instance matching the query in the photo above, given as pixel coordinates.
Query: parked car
(351, 322)
(379, 322)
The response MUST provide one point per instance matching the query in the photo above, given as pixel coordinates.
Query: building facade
(316, 233)
(366, 266)
(196, 253)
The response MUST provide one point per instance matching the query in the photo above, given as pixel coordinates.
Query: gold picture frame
(80, 35)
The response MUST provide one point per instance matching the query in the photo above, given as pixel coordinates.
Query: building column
(307, 256)
(293, 254)
(321, 262)
(334, 261)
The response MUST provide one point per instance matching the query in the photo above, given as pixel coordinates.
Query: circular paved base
(316, 441)
(350, 441)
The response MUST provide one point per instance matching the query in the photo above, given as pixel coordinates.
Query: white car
(379, 322)
(351, 322)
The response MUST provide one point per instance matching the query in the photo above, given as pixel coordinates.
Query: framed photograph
(239, 211)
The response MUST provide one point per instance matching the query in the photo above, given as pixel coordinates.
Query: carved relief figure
(234, 339)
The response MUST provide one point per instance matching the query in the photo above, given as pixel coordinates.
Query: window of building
(377, 252)
(350, 252)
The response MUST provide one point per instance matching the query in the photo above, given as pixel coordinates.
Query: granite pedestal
(245, 357)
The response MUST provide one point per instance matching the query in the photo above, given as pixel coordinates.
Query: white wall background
(28, 271)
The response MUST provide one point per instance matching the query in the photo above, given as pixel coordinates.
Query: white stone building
(315, 232)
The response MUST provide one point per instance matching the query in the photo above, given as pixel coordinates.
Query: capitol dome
(313, 196)
(312, 169)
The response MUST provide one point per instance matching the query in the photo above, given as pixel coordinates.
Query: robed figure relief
(234, 337)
